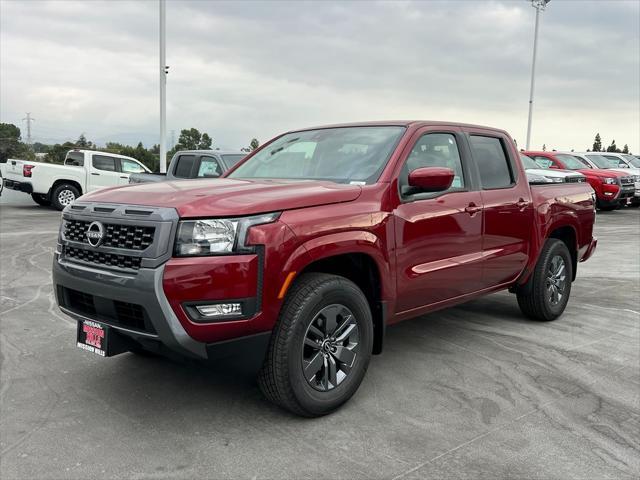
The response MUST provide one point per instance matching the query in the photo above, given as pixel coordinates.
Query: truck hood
(601, 173)
(228, 197)
(557, 173)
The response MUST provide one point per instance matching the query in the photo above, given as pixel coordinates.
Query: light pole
(539, 5)
(163, 89)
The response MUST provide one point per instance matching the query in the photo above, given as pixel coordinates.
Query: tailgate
(15, 166)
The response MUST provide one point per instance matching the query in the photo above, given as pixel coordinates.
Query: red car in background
(611, 187)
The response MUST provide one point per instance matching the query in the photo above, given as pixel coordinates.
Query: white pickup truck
(83, 171)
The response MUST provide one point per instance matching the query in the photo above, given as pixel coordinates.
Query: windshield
(528, 162)
(232, 160)
(633, 161)
(602, 162)
(572, 162)
(345, 155)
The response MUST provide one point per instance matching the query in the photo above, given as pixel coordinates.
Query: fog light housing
(217, 310)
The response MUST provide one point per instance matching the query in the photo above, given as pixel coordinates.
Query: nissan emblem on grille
(95, 234)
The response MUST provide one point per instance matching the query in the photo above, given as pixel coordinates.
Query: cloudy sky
(253, 69)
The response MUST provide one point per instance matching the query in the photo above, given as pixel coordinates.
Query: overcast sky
(243, 69)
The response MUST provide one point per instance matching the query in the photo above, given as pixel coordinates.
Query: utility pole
(163, 88)
(539, 5)
(28, 119)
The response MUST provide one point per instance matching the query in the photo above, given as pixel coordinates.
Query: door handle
(96, 174)
(124, 177)
(522, 204)
(472, 209)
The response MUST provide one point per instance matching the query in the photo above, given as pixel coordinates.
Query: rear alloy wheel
(321, 346)
(546, 293)
(63, 195)
(41, 199)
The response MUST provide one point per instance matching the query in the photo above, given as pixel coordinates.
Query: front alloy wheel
(321, 346)
(330, 347)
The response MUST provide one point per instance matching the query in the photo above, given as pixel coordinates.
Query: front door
(438, 235)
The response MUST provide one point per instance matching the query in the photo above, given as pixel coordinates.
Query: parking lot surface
(470, 392)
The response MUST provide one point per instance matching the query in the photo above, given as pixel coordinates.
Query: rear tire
(41, 199)
(545, 295)
(63, 195)
(320, 348)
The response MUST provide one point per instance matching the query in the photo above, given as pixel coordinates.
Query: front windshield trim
(358, 153)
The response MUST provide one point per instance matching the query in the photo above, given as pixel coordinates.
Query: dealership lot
(475, 391)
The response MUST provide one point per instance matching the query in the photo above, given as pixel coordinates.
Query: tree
(544, 147)
(9, 141)
(613, 147)
(58, 152)
(597, 143)
(625, 149)
(254, 144)
(82, 142)
(192, 139)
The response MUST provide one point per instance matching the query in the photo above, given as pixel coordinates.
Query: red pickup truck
(313, 245)
(612, 188)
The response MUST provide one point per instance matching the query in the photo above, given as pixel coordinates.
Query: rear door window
(184, 166)
(75, 159)
(493, 163)
(102, 162)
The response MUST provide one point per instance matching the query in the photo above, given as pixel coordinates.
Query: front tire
(320, 348)
(63, 195)
(41, 199)
(545, 295)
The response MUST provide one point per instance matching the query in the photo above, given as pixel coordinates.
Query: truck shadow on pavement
(159, 388)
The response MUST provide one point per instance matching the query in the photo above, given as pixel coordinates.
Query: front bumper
(113, 292)
(25, 187)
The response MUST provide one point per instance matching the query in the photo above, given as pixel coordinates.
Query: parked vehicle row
(614, 187)
(193, 164)
(83, 171)
(311, 246)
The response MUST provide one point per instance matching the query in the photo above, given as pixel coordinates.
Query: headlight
(217, 236)
(636, 178)
(609, 181)
(554, 179)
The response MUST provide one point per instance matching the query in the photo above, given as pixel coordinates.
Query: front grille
(131, 237)
(626, 181)
(102, 258)
(576, 179)
(113, 312)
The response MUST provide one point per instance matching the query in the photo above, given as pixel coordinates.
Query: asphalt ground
(470, 392)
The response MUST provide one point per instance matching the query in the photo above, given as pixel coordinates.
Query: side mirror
(431, 179)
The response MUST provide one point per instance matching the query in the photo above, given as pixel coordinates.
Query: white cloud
(245, 69)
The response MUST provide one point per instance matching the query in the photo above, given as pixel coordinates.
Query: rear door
(508, 209)
(438, 235)
(103, 171)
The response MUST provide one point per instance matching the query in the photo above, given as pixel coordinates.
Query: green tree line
(12, 146)
(597, 146)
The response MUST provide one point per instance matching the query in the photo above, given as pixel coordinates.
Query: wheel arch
(567, 234)
(61, 181)
(357, 256)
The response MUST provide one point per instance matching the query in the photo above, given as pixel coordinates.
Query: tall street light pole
(163, 88)
(539, 5)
